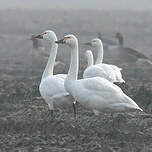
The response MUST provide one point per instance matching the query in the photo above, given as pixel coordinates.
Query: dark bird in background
(117, 53)
(106, 41)
(131, 52)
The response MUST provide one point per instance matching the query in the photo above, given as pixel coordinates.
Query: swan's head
(70, 40)
(47, 35)
(94, 42)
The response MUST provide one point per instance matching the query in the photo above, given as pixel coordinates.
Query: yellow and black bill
(40, 36)
(62, 41)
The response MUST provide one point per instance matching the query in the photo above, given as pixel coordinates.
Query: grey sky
(93, 4)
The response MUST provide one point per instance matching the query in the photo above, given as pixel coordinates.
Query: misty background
(77, 4)
(20, 19)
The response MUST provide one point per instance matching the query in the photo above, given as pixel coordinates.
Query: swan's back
(107, 71)
(97, 71)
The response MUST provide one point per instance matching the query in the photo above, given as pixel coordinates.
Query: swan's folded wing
(98, 84)
(109, 91)
(107, 72)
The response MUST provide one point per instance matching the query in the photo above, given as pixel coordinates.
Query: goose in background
(106, 41)
(119, 54)
(139, 57)
(107, 71)
(52, 86)
(96, 93)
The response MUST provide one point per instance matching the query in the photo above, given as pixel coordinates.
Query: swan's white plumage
(52, 86)
(101, 95)
(89, 57)
(97, 94)
(103, 71)
(53, 92)
(107, 71)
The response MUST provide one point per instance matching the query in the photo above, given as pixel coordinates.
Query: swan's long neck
(90, 59)
(100, 54)
(74, 65)
(51, 61)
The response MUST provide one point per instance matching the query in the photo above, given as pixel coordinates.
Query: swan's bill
(62, 41)
(40, 36)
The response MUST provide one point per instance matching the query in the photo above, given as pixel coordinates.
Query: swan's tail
(120, 79)
(140, 109)
(132, 104)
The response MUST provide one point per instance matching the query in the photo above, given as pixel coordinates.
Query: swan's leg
(51, 109)
(113, 122)
(75, 110)
(116, 118)
(52, 113)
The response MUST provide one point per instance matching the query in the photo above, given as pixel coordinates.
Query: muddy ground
(26, 124)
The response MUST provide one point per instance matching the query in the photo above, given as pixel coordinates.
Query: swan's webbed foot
(74, 109)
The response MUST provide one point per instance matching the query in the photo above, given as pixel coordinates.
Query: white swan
(52, 86)
(89, 57)
(94, 93)
(108, 71)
